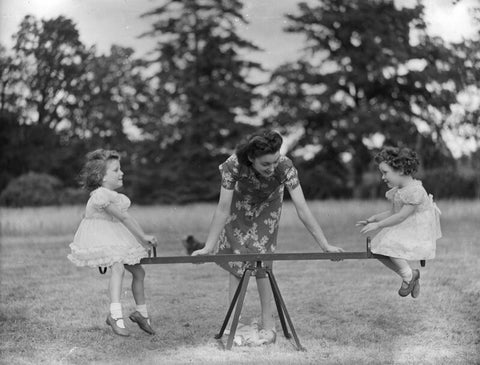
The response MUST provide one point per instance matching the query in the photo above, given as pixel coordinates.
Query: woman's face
(265, 165)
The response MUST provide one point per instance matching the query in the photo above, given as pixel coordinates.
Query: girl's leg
(388, 263)
(138, 278)
(140, 316)
(403, 268)
(115, 288)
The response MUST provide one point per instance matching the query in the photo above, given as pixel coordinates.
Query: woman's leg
(266, 302)
(232, 286)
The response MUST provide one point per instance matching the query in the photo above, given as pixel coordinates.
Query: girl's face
(392, 177)
(265, 165)
(113, 178)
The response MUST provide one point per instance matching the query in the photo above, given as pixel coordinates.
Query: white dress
(414, 238)
(101, 239)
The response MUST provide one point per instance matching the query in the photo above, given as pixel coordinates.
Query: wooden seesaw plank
(251, 257)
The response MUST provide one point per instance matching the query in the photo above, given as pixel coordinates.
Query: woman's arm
(309, 221)
(391, 220)
(218, 222)
(132, 225)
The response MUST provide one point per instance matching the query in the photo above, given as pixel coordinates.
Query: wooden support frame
(255, 264)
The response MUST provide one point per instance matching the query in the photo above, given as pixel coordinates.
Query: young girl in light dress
(109, 237)
(409, 230)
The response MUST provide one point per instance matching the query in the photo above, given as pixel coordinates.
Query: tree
(51, 58)
(373, 76)
(200, 72)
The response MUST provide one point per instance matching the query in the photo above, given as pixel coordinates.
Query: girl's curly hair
(95, 168)
(400, 159)
(258, 144)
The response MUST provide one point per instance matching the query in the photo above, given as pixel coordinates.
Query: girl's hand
(366, 221)
(370, 227)
(202, 251)
(151, 240)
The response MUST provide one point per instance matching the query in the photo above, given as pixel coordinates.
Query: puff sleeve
(290, 173)
(101, 198)
(412, 195)
(229, 171)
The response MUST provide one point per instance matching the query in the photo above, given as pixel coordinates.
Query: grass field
(347, 312)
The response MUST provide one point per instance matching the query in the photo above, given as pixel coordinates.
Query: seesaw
(255, 265)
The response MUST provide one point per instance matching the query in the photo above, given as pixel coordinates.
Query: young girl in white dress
(109, 237)
(409, 230)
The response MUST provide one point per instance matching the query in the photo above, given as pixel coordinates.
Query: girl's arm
(392, 220)
(218, 222)
(309, 221)
(376, 217)
(132, 225)
(380, 216)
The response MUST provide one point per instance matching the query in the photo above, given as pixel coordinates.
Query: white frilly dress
(414, 238)
(102, 240)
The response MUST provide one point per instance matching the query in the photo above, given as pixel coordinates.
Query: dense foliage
(370, 76)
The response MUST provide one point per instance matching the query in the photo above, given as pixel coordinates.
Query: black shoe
(142, 322)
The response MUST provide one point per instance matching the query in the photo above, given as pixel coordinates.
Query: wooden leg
(232, 305)
(238, 308)
(277, 294)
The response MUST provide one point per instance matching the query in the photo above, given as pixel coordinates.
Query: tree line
(370, 75)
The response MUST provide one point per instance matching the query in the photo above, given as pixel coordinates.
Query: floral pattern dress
(414, 238)
(255, 211)
(101, 239)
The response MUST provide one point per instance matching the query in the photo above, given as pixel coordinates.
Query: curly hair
(95, 168)
(400, 159)
(258, 144)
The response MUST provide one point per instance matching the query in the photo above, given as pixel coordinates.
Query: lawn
(347, 312)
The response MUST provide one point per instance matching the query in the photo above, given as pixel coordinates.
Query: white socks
(116, 312)
(142, 309)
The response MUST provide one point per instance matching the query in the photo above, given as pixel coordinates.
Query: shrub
(31, 189)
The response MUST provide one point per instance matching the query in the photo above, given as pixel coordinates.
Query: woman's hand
(370, 227)
(202, 251)
(330, 248)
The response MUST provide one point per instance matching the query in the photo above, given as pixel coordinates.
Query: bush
(31, 189)
(450, 183)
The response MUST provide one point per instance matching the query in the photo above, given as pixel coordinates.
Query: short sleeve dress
(102, 240)
(414, 238)
(256, 207)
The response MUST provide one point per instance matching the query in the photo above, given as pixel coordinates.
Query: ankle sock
(116, 312)
(142, 309)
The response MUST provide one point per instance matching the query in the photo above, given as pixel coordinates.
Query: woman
(248, 212)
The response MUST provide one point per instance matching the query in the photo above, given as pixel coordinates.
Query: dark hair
(95, 168)
(258, 144)
(400, 159)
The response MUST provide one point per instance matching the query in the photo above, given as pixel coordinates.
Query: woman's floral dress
(255, 211)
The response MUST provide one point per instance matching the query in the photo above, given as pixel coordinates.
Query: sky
(106, 22)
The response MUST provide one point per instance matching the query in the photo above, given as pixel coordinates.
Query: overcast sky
(107, 22)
